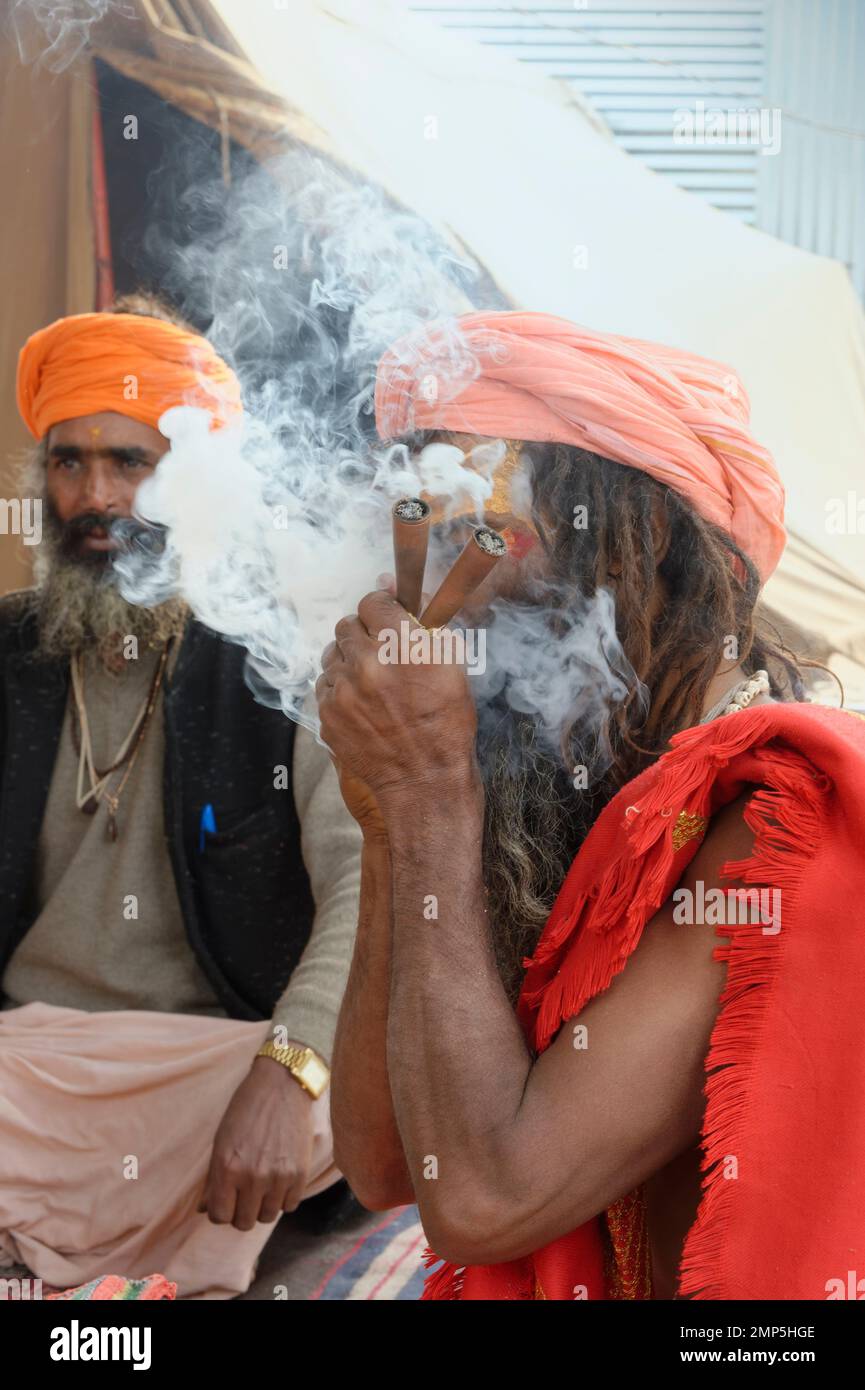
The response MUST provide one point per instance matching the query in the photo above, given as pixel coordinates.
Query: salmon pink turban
(533, 377)
(129, 363)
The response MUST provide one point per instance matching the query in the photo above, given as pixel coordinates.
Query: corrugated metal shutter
(814, 194)
(639, 62)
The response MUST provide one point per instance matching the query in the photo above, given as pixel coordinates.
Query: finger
(379, 610)
(387, 582)
(349, 631)
(293, 1195)
(323, 687)
(272, 1203)
(249, 1199)
(204, 1199)
(331, 656)
(358, 647)
(221, 1199)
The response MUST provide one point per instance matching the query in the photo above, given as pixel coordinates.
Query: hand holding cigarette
(396, 730)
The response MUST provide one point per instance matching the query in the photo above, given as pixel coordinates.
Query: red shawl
(786, 1062)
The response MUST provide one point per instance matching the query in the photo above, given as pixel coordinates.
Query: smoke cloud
(275, 530)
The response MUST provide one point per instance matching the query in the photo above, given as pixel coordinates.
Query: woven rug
(384, 1263)
(377, 1255)
(374, 1255)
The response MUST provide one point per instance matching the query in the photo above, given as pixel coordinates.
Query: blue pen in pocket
(207, 825)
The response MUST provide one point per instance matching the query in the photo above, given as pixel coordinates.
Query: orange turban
(135, 365)
(680, 418)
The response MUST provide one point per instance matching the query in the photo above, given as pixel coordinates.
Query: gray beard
(78, 605)
(80, 609)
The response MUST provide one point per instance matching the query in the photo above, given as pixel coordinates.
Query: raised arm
(527, 1150)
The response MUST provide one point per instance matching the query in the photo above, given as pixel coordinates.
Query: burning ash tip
(490, 541)
(411, 509)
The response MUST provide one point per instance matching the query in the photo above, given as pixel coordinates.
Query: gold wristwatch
(305, 1065)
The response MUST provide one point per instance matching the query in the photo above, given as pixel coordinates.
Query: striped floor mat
(385, 1262)
(381, 1258)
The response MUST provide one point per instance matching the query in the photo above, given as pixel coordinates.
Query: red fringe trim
(596, 924)
(445, 1283)
(786, 816)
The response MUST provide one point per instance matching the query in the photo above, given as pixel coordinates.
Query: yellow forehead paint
(501, 499)
(503, 477)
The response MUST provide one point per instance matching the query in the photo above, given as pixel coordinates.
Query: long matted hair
(536, 819)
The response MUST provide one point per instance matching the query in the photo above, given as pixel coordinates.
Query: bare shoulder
(681, 941)
(727, 839)
(672, 974)
(672, 979)
(631, 1064)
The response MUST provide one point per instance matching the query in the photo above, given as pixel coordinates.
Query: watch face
(315, 1074)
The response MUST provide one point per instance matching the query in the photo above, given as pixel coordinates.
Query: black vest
(246, 899)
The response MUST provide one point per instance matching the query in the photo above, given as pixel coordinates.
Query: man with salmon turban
(178, 875)
(653, 850)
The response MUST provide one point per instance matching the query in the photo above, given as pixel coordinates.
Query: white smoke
(53, 33)
(558, 660)
(270, 544)
(276, 529)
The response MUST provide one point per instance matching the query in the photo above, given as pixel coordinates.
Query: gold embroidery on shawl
(628, 1266)
(687, 827)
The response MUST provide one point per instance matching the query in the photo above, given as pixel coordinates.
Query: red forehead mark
(519, 541)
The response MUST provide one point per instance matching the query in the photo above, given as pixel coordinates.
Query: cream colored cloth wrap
(107, 1122)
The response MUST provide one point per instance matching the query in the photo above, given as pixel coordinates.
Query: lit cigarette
(481, 553)
(411, 519)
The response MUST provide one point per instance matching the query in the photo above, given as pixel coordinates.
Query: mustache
(128, 532)
(77, 527)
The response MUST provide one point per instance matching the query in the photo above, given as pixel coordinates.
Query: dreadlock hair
(536, 818)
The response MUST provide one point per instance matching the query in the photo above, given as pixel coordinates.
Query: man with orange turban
(639, 831)
(172, 956)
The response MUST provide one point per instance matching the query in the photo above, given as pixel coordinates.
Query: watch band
(305, 1065)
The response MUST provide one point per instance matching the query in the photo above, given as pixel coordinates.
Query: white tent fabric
(526, 176)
